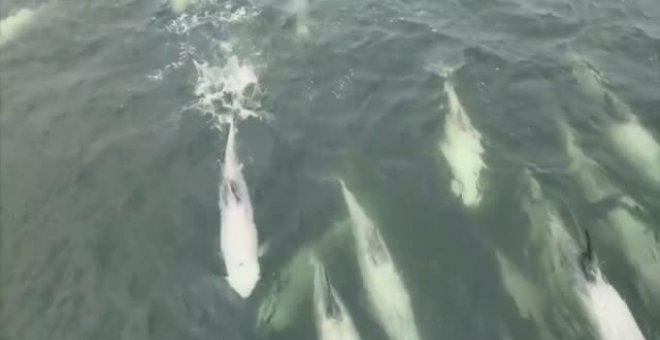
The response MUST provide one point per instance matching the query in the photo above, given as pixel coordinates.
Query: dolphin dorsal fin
(587, 259)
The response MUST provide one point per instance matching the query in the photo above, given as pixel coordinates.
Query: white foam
(187, 23)
(238, 233)
(463, 150)
(13, 25)
(202, 27)
(386, 291)
(637, 145)
(333, 321)
(226, 91)
(610, 314)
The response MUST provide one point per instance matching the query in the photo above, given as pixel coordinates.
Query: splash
(463, 150)
(386, 291)
(205, 32)
(12, 26)
(190, 23)
(227, 91)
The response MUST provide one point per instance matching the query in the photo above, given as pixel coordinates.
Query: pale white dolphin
(607, 310)
(238, 233)
(386, 291)
(635, 143)
(13, 25)
(462, 149)
(638, 147)
(333, 321)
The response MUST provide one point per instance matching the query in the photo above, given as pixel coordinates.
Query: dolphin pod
(569, 277)
(386, 292)
(238, 233)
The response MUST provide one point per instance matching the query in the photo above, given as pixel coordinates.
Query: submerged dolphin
(462, 149)
(631, 139)
(609, 313)
(238, 234)
(287, 297)
(333, 322)
(386, 292)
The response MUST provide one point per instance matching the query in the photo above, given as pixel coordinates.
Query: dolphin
(238, 233)
(12, 26)
(333, 322)
(386, 292)
(463, 150)
(635, 143)
(609, 313)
